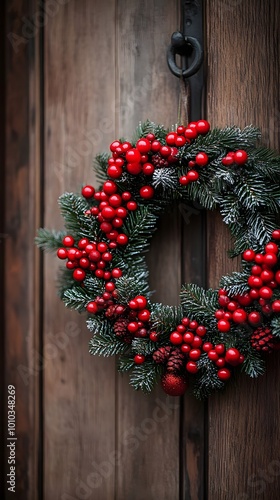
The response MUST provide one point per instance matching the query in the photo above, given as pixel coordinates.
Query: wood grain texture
(79, 402)
(149, 445)
(243, 88)
(21, 290)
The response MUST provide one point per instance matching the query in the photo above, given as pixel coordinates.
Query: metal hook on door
(188, 44)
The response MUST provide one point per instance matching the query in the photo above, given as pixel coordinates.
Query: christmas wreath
(213, 333)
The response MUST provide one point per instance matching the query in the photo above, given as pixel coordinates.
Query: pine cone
(121, 331)
(111, 312)
(263, 340)
(162, 354)
(159, 162)
(175, 361)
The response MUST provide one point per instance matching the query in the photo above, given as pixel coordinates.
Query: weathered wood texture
(243, 88)
(79, 391)
(22, 169)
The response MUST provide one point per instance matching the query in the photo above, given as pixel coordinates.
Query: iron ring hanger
(181, 45)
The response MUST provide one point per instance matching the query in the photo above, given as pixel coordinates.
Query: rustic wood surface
(104, 67)
(243, 88)
(21, 286)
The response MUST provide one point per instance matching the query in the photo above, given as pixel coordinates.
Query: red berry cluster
(232, 309)
(91, 256)
(238, 157)
(265, 276)
(189, 336)
(222, 356)
(112, 210)
(190, 133)
(138, 160)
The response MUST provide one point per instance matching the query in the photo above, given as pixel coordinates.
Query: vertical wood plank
(243, 88)
(21, 292)
(79, 390)
(149, 446)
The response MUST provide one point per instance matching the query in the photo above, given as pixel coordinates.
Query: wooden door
(78, 75)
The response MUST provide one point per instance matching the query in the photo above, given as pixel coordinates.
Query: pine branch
(76, 298)
(145, 376)
(207, 380)
(275, 326)
(104, 342)
(149, 127)
(253, 365)
(143, 346)
(164, 320)
(79, 225)
(100, 166)
(235, 283)
(49, 240)
(128, 287)
(139, 225)
(125, 363)
(199, 303)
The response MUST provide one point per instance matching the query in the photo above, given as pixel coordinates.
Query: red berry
(106, 227)
(254, 293)
(133, 304)
(188, 337)
(62, 253)
(171, 138)
(240, 157)
(115, 200)
(244, 300)
(183, 180)
(195, 354)
(255, 281)
(276, 234)
(108, 213)
(193, 324)
(181, 328)
(122, 239)
(88, 191)
(185, 348)
(220, 362)
(201, 331)
(239, 316)
(79, 274)
(270, 259)
(83, 242)
(271, 247)
(180, 141)
(259, 258)
(134, 168)
(121, 212)
(109, 187)
(232, 356)
(256, 270)
(192, 175)
(132, 327)
(207, 346)
(276, 306)
(144, 315)
(185, 321)
(94, 256)
(176, 338)
(150, 136)
(114, 171)
(213, 355)
(68, 241)
(197, 341)
(248, 255)
(141, 301)
(254, 318)
(114, 145)
(266, 292)
(139, 359)
(156, 145)
(191, 367)
(92, 307)
(110, 286)
(131, 205)
(165, 151)
(220, 349)
(190, 133)
(126, 196)
(133, 156)
(147, 192)
(223, 325)
(143, 145)
(148, 169)
(116, 272)
(202, 126)
(267, 275)
(153, 336)
(181, 129)
(84, 263)
(202, 159)
(277, 277)
(227, 160)
(223, 300)
(224, 374)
